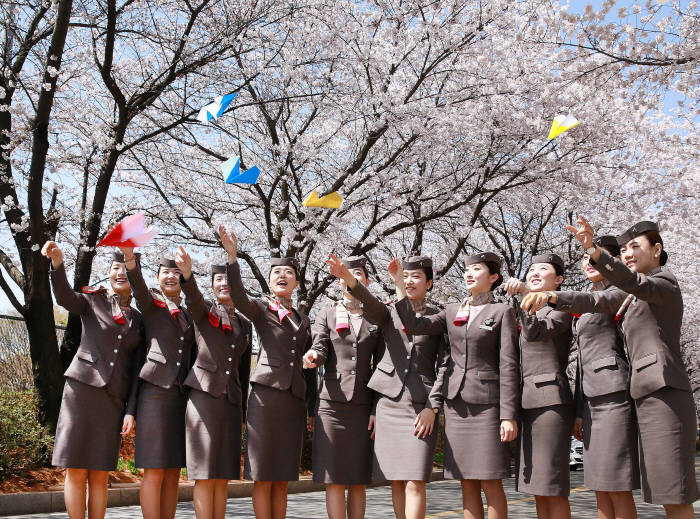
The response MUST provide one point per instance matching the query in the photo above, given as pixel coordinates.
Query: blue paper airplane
(215, 109)
(231, 170)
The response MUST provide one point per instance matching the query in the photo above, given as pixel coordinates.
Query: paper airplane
(130, 232)
(561, 124)
(215, 109)
(231, 169)
(330, 201)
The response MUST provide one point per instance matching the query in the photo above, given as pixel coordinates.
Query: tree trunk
(43, 345)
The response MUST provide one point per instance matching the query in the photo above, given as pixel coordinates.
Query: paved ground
(444, 501)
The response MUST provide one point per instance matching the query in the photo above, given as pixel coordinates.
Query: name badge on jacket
(488, 324)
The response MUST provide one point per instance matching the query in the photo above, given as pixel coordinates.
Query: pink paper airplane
(130, 232)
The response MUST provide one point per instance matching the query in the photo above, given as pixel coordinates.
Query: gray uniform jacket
(545, 341)
(109, 352)
(282, 344)
(222, 363)
(418, 363)
(651, 323)
(348, 357)
(601, 367)
(170, 344)
(484, 365)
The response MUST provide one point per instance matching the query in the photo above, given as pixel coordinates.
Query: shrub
(24, 443)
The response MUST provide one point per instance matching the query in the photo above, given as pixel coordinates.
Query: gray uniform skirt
(545, 443)
(610, 456)
(88, 433)
(160, 427)
(274, 434)
(667, 431)
(398, 454)
(473, 446)
(342, 449)
(213, 437)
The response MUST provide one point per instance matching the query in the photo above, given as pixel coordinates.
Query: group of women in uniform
(498, 370)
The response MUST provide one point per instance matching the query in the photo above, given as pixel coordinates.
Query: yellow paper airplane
(561, 124)
(330, 201)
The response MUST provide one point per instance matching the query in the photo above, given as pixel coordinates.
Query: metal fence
(15, 361)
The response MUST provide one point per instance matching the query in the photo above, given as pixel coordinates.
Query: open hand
(228, 242)
(183, 262)
(584, 233)
(372, 426)
(339, 270)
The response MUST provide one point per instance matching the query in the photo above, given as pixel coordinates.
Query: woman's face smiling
(169, 281)
(417, 284)
(220, 287)
(639, 255)
(542, 277)
(283, 281)
(478, 279)
(118, 280)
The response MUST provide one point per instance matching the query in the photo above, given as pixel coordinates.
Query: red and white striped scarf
(342, 317)
(464, 309)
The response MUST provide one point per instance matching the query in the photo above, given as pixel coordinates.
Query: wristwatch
(549, 296)
(590, 250)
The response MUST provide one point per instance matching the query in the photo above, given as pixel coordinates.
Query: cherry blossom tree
(430, 119)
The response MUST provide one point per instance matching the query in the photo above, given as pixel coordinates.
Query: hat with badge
(552, 259)
(416, 262)
(491, 259)
(167, 261)
(286, 261)
(609, 243)
(355, 262)
(638, 229)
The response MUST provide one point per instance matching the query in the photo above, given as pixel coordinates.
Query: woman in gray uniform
(547, 415)
(160, 435)
(218, 383)
(99, 396)
(650, 316)
(482, 389)
(276, 412)
(605, 420)
(348, 344)
(409, 380)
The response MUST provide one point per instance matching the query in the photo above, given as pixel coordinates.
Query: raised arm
(509, 367)
(599, 301)
(373, 307)
(435, 324)
(65, 296)
(241, 301)
(653, 289)
(138, 286)
(193, 297)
